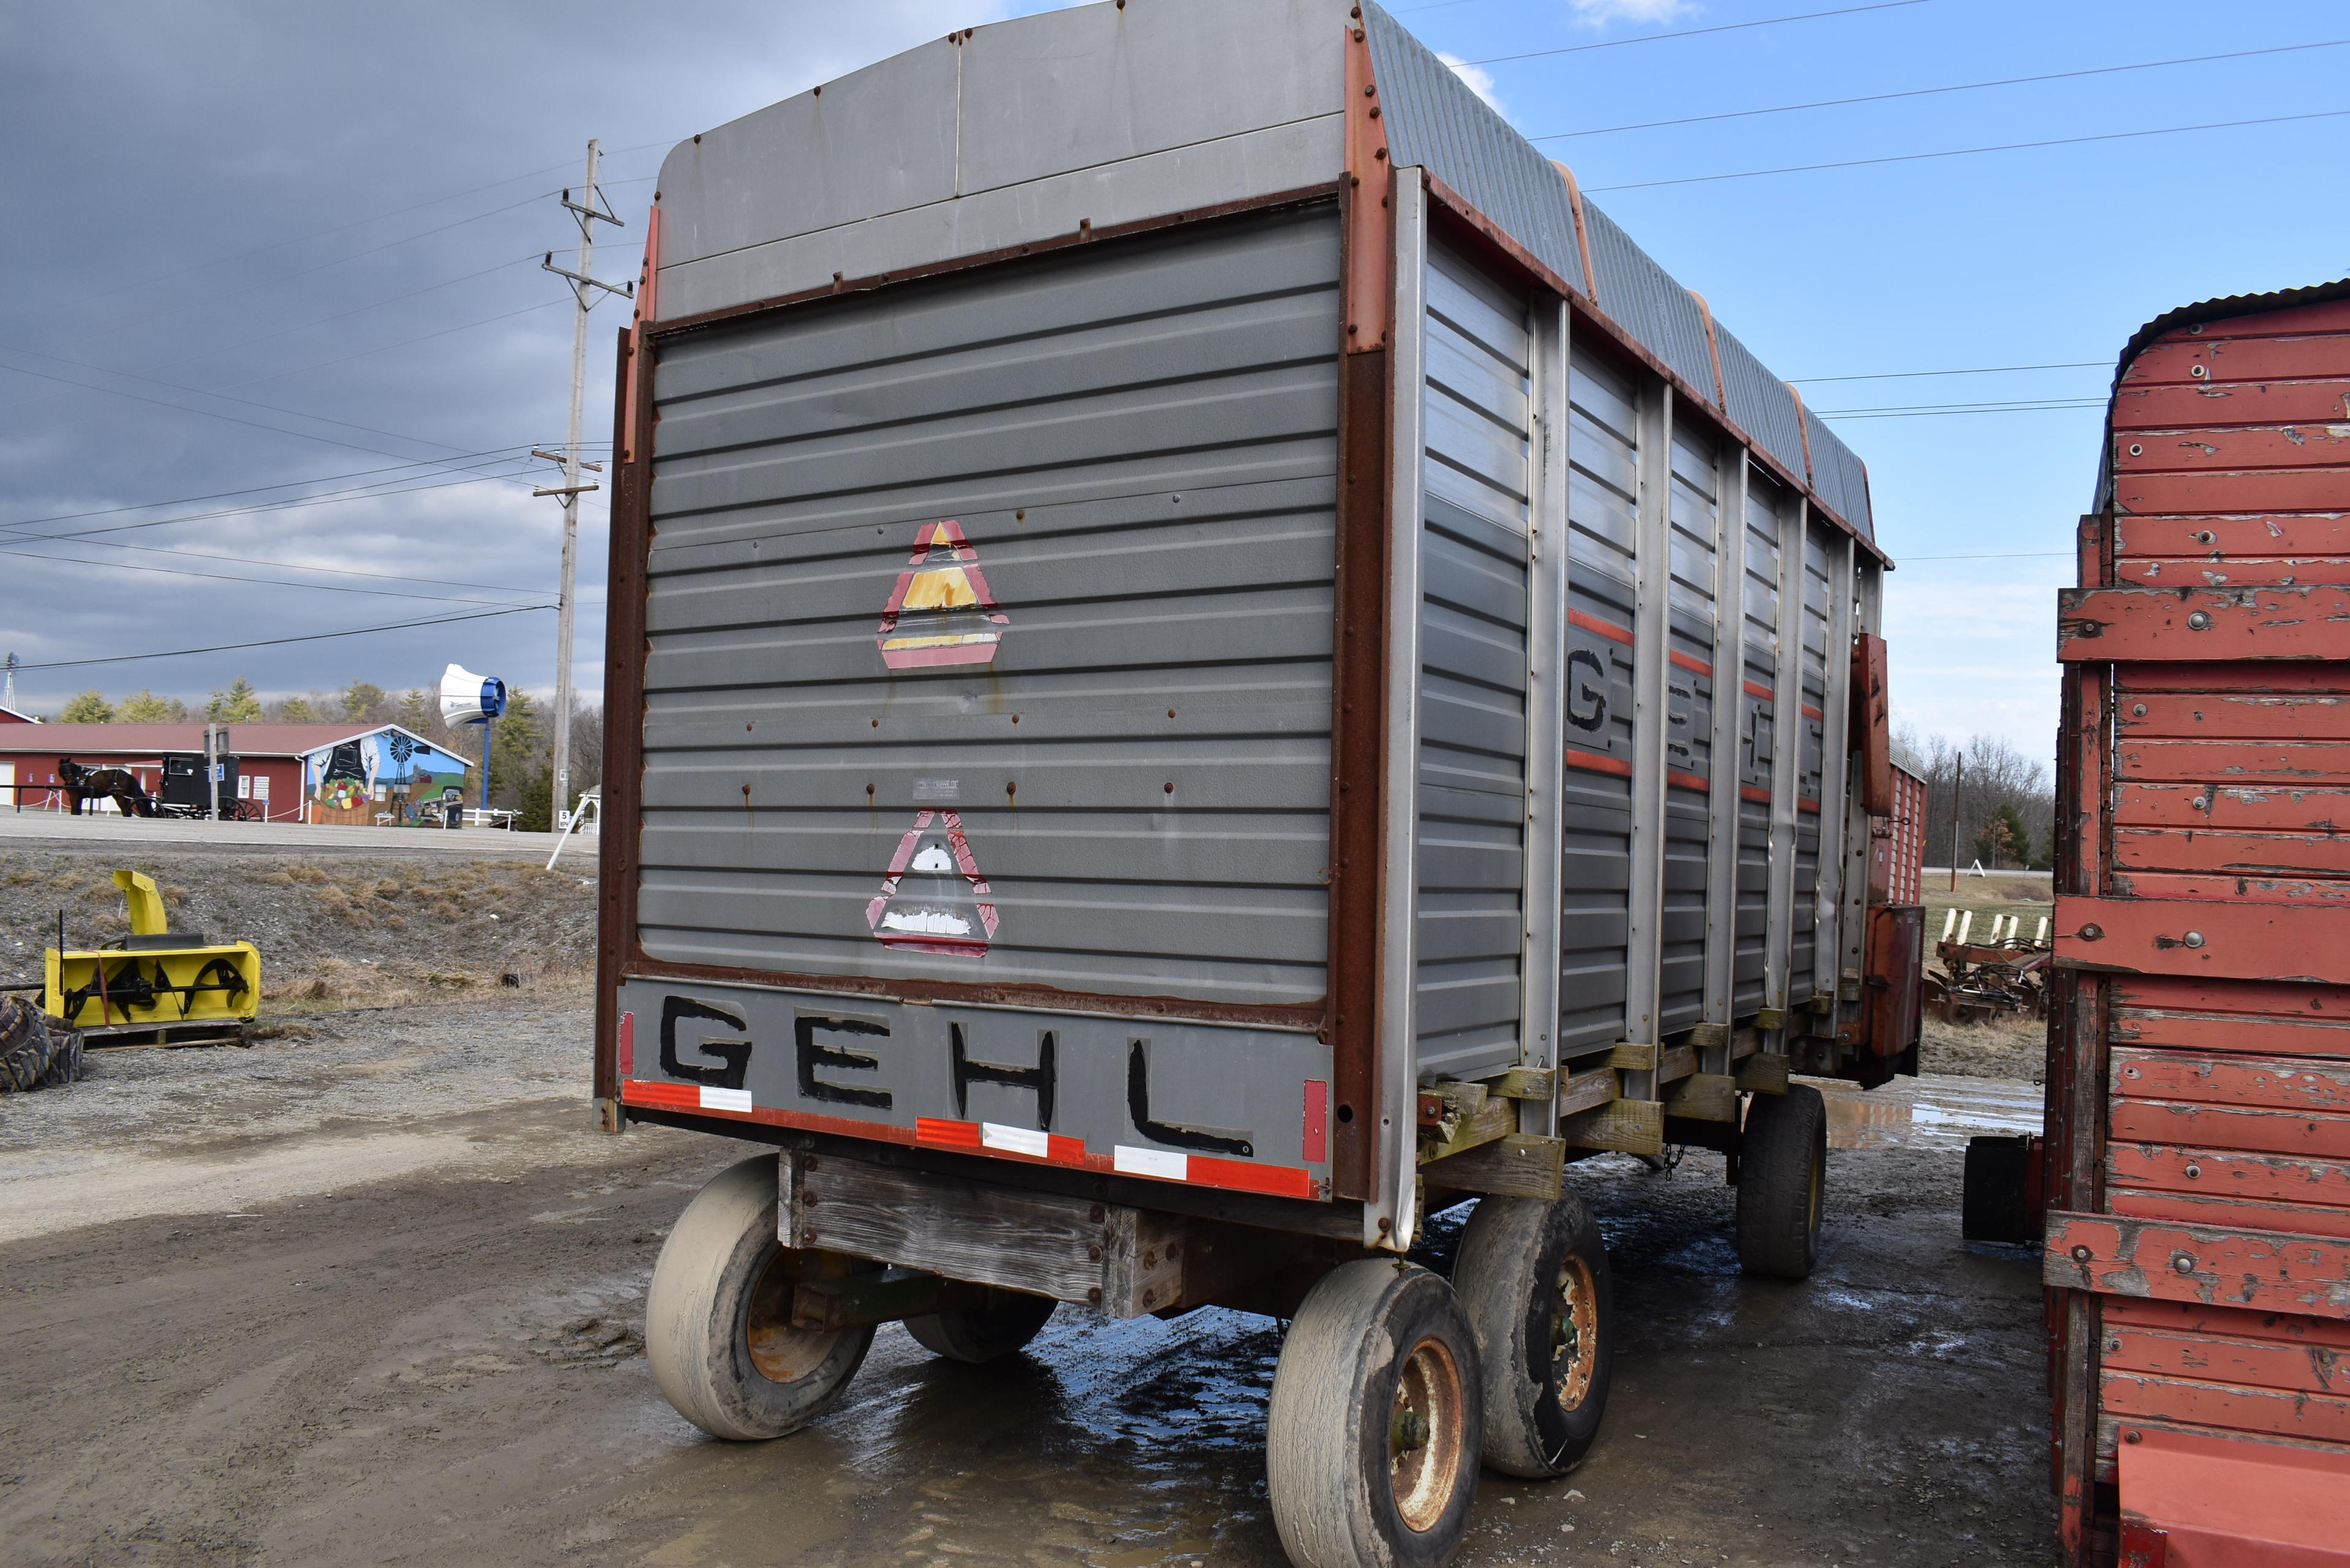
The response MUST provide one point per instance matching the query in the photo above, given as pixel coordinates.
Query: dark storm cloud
(255, 211)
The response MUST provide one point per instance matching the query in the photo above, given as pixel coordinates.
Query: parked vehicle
(1208, 661)
(2197, 1224)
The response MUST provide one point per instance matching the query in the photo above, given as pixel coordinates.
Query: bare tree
(1996, 780)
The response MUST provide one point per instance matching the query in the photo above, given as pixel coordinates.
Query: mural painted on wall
(382, 772)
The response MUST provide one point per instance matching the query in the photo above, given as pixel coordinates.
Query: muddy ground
(370, 1292)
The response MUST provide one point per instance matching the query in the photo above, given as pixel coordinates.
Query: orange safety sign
(941, 612)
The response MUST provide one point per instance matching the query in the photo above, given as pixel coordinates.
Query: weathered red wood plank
(2253, 854)
(2252, 357)
(2323, 537)
(2254, 1033)
(2228, 1173)
(2203, 623)
(2238, 571)
(2281, 677)
(2265, 1270)
(2236, 808)
(2197, 888)
(2324, 1418)
(2232, 1323)
(2282, 1082)
(2314, 445)
(2230, 939)
(2242, 761)
(2290, 1002)
(2184, 405)
(2237, 490)
(2235, 715)
(2228, 1213)
(2254, 1364)
(2303, 1134)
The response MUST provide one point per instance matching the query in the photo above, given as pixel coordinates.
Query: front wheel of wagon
(1372, 1437)
(1533, 1277)
(1005, 1322)
(718, 1319)
(1783, 1164)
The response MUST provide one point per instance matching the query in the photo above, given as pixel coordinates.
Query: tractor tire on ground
(1372, 1437)
(1782, 1183)
(1533, 1279)
(1005, 1324)
(718, 1328)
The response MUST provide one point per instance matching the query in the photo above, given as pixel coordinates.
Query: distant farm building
(355, 776)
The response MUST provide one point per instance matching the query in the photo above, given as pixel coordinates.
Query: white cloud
(1480, 80)
(1599, 13)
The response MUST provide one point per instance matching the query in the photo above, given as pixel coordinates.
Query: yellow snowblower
(153, 987)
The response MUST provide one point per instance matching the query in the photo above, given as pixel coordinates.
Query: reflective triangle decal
(934, 900)
(942, 612)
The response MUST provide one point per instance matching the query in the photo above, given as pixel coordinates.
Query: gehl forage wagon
(1208, 662)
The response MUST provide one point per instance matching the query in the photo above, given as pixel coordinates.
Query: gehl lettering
(1040, 1078)
(734, 1055)
(810, 1056)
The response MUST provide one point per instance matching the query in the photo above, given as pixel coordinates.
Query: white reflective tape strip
(725, 1099)
(1015, 1140)
(1160, 1162)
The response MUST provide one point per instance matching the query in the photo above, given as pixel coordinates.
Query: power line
(1931, 91)
(1992, 556)
(296, 566)
(387, 348)
(208, 414)
(340, 315)
(1986, 403)
(281, 641)
(232, 577)
(1697, 32)
(1977, 371)
(255, 490)
(1924, 413)
(296, 505)
(1966, 152)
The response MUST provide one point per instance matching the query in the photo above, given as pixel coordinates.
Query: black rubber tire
(27, 1051)
(1005, 1323)
(720, 1268)
(1533, 1279)
(1370, 1335)
(1782, 1183)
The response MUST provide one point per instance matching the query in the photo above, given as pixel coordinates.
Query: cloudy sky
(274, 308)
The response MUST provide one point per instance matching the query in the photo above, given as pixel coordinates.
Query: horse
(83, 784)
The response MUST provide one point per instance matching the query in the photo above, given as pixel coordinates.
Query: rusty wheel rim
(1424, 1435)
(1574, 1333)
(782, 1353)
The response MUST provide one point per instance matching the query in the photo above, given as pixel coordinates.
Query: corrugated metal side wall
(1603, 487)
(1816, 608)
(1689, 748)
(1471, 849)
(1766, 509)
(1110, 687)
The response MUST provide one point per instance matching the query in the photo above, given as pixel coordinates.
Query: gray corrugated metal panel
(1018, 102)
(1642, 297)
(1436, 122)
(1827, 472)
(1153, 468)
(1760, 403)
(1856, 492)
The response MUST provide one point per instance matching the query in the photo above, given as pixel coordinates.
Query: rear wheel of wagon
(718, 1319)
(1532, 1278)
(1372, 1437)
(1005, 1323)
(1782, 1163)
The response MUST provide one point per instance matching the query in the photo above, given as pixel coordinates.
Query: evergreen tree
(237, 705)
(418, 714)
(86, 708)
(362, 703)
(143, 707)
(296, 711)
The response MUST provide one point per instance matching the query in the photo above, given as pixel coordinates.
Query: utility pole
(9, 700)
(587, 213)
(1958, 784)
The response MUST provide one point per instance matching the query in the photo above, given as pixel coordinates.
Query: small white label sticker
(1015, 1140)
(938, 789)
(736, 1100)
(1166, 1164)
